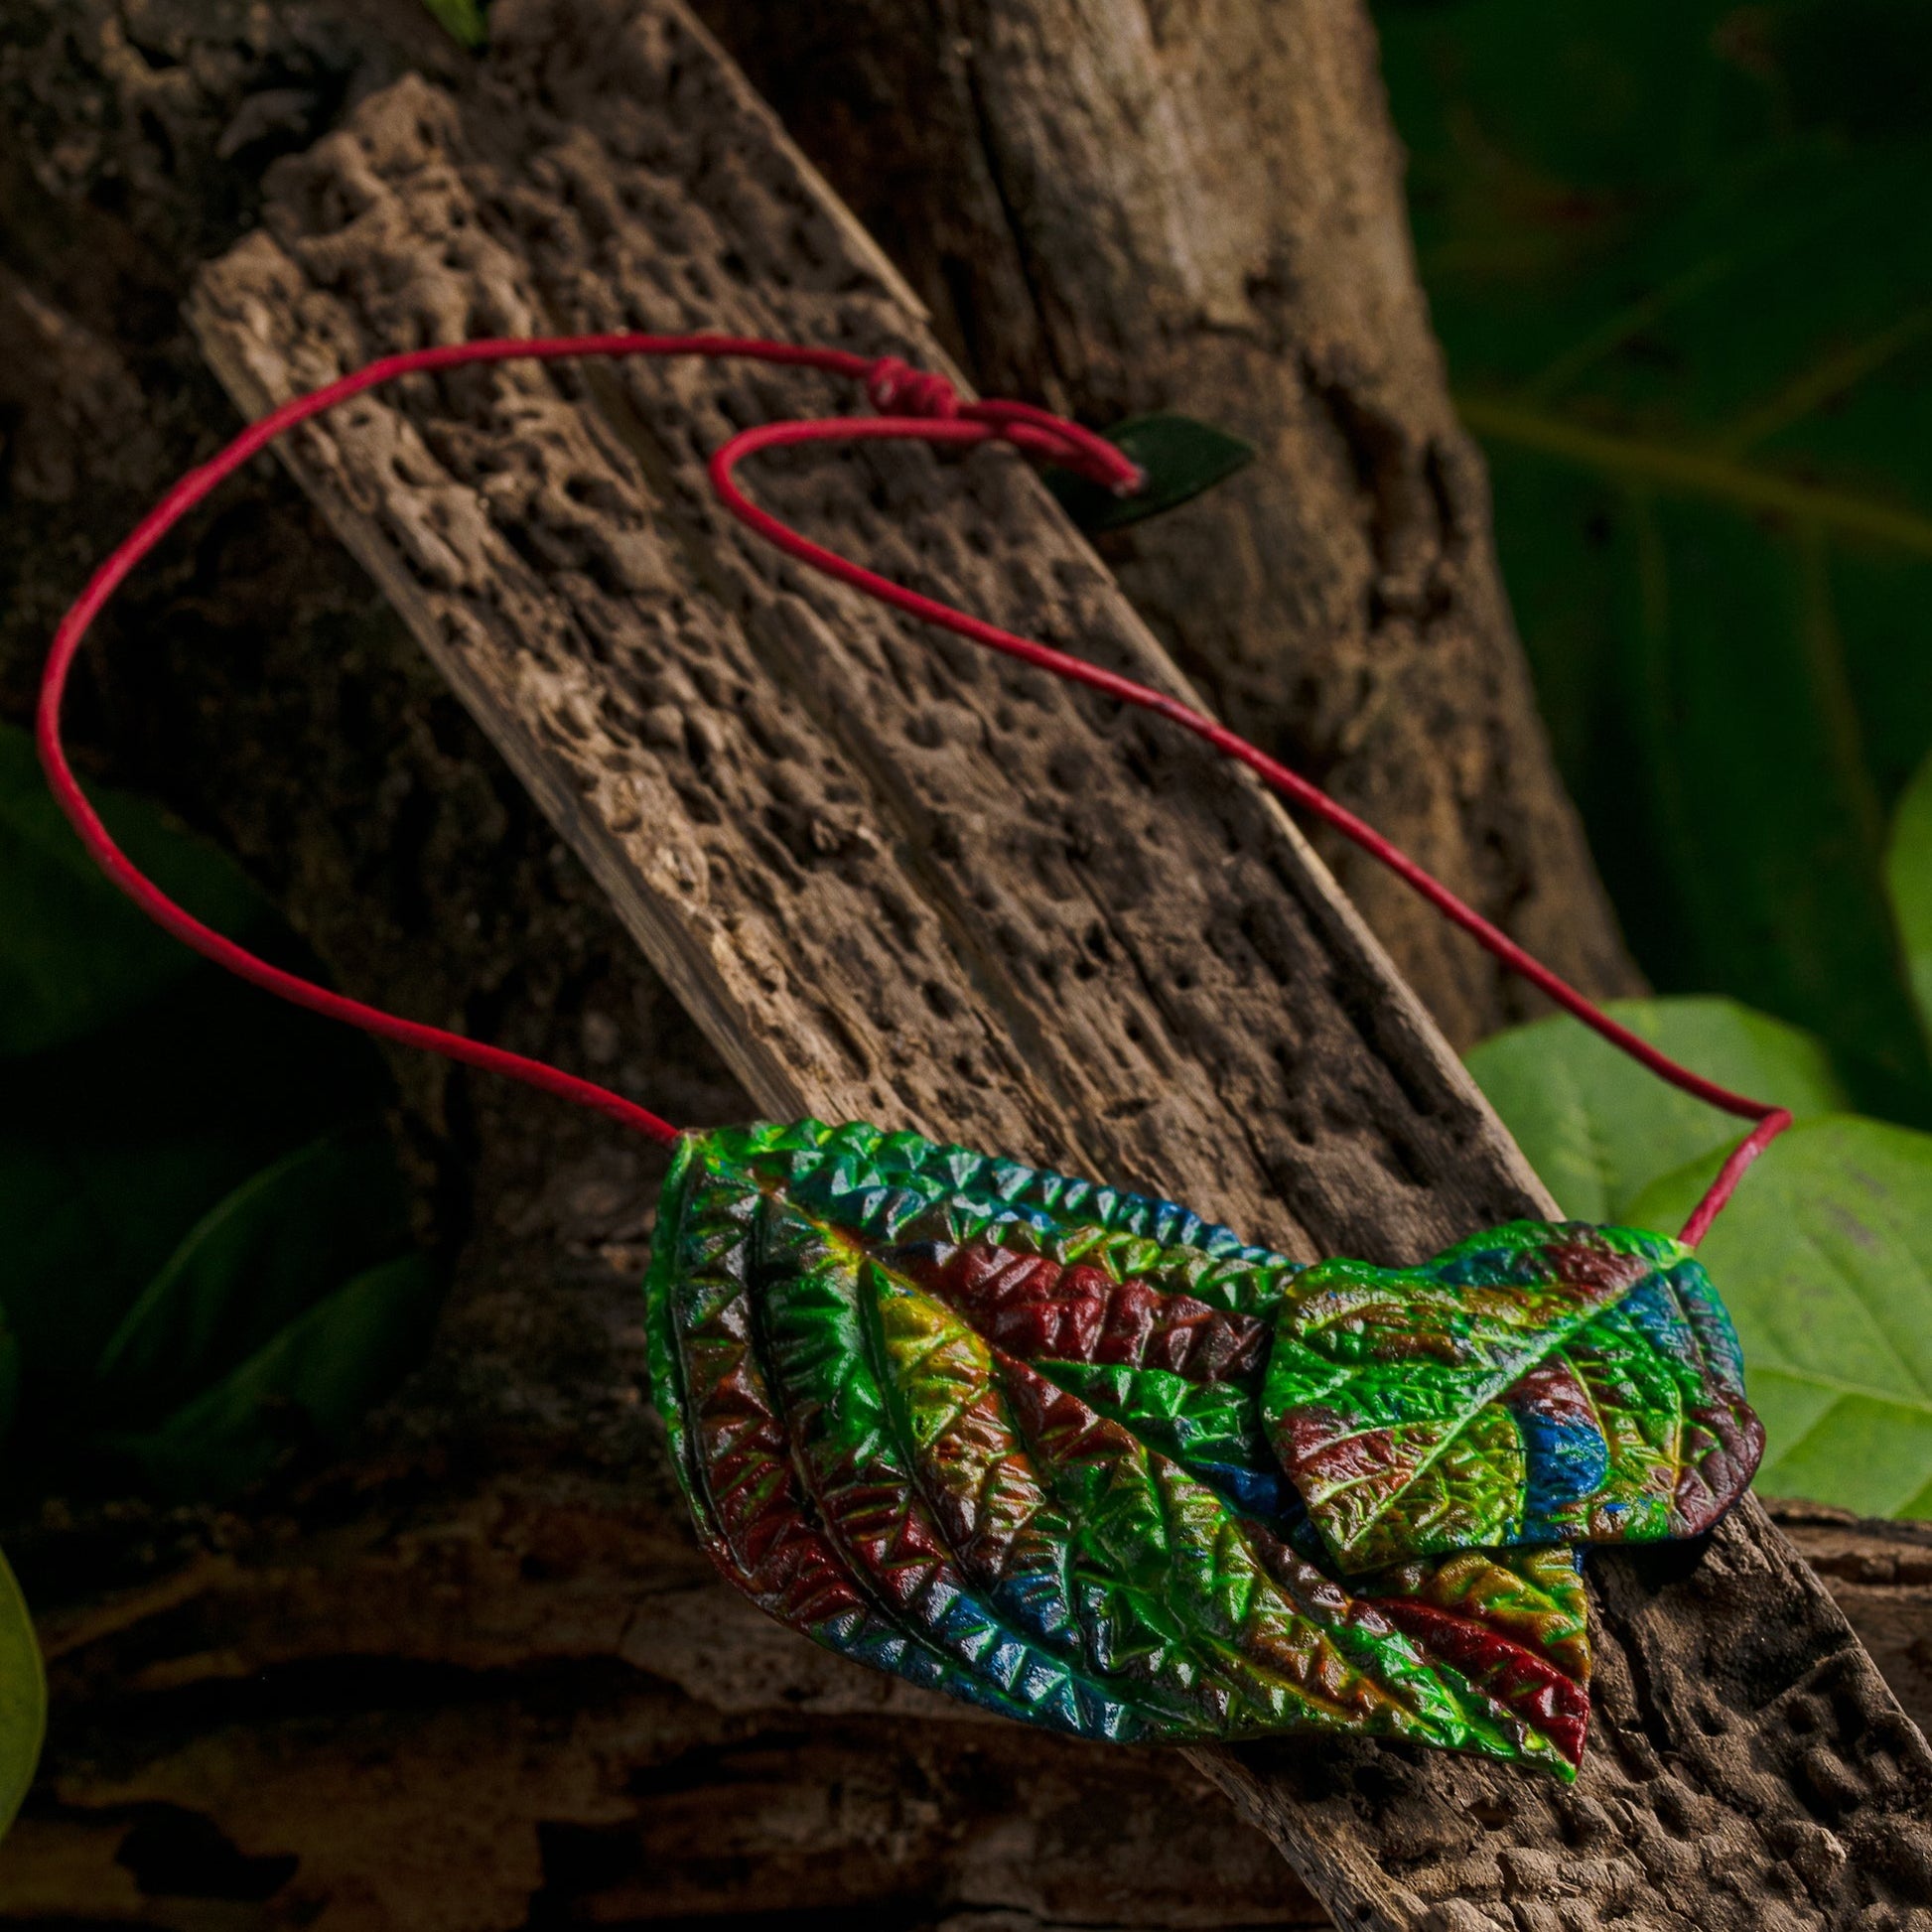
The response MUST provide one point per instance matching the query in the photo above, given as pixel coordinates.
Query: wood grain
(1118, 209)
(891, 880)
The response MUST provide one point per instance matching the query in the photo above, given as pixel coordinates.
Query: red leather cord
(915, 406)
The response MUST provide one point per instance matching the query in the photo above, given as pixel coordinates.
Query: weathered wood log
(1123, 209)
(970, 943)
(1067, 936)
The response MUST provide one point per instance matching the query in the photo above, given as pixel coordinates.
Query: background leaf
(23, 1698)
(1825, 1259)
(462, 20)
(1664, 249)
(1908, 878)
(85, 958)
(253, 1262)
(1599, 1129)
(166, 1207)
(309, 1383)
(113, 1147)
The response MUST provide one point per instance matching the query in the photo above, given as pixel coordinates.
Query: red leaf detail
(1037, 1308)
(1519, 1679)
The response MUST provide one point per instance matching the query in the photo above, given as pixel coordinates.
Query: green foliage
(1664, 251)
(1668, 249)
(1599, 1128)
(1908, 880)
(23, 1698)
(1179, 457)
(307, 1383)
(462, 20)
(115, 1145)
(251, 1266)
(191, 1168)
(1824, 1256)
(205, 1234)
(70, 959)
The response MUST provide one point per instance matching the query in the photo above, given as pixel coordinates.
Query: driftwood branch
(1063, 934)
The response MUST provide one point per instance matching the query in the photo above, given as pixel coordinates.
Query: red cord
(922, 408)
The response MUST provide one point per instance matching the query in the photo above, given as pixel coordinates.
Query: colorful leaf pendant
(1008, 1434)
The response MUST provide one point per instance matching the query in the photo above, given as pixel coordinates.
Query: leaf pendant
(1003, 1434)
(1544, 1382)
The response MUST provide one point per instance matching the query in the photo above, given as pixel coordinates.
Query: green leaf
(1179, 457)
(310, 1384)
(1535, 1384)
(1824, 1256)
(1598, 1127)
(932, 1409)
(86, 956)
(23, 1698)
(113, 1147)
(253, 1264)
(1662, 246)
(462, 20)
(144, 1090)
(1908, 878)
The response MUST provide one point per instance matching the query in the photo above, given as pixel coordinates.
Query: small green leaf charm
(1541, 1383)
(999, 1431)
(1179, 457)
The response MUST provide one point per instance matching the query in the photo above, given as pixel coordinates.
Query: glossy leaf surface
(1599, 1128)
(1826, 1253)
(1539, 1383)
(996, 1431)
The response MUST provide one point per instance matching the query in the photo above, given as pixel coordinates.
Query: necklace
(1075, 1454)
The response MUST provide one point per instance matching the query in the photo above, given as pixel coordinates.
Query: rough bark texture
(1881, 1573)
(891, 877)
(1122, 208)
(474, 1678)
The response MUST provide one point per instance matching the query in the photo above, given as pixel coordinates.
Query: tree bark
(1124, 208)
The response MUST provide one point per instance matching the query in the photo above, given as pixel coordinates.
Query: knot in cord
(896, 388)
